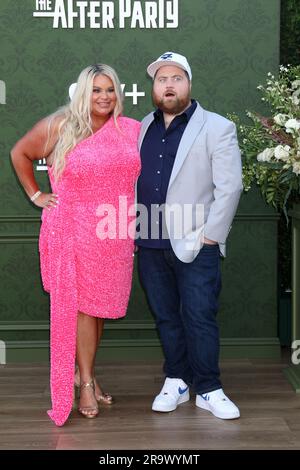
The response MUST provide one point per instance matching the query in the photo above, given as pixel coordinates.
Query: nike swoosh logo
(182, 390)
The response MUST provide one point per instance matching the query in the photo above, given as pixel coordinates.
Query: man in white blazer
(188, 192)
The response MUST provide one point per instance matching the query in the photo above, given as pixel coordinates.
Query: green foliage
(270, 146)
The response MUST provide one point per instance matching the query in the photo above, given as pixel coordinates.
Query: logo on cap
(166, 56)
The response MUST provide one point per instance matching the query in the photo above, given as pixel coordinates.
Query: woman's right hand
(46, 200)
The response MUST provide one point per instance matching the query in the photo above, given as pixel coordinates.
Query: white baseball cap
(169, 58)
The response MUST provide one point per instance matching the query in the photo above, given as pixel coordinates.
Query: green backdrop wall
(231, 45)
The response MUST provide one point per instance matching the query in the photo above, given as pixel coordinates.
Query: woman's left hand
(47, 200)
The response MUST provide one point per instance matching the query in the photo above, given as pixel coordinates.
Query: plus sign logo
(2, 92)
(134, 93)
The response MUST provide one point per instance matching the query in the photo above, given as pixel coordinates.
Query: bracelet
(35, 196)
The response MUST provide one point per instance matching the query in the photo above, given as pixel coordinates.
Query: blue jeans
(184, 301)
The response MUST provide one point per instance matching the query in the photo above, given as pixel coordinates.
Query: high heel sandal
(102, 397)
(88, 411)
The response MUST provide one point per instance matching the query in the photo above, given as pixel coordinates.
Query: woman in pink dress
(86, 248)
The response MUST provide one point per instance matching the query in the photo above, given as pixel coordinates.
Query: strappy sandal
(102, 397)
(88, 411)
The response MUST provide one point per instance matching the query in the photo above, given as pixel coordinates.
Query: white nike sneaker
(173, 393)
(218, 404)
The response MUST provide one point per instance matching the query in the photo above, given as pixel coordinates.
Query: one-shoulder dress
(86, 245)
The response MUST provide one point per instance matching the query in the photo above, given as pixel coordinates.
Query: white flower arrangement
(270, 146)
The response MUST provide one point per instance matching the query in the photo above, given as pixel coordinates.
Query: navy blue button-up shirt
(158, 154)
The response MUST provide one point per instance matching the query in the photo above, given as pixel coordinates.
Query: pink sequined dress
(86, 250)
